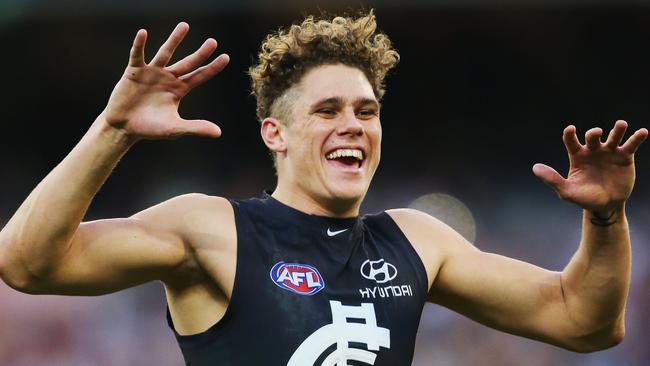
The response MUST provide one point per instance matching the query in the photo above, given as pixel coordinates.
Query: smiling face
(329, 149)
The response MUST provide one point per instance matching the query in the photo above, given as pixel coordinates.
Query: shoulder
(203, 224)
(192, 200)
(189, 209)
(421, 226)
(193, 217)
(432, 239)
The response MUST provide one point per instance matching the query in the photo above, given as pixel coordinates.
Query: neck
(302, 201)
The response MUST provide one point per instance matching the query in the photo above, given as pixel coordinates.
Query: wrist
(605, 217)
(114, 135)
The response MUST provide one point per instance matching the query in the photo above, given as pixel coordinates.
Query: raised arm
(45, 249)
(601, 176)
(580, 308)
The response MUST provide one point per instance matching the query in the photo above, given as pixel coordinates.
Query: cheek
(374, 135)
(306, 149)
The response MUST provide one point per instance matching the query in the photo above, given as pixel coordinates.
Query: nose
(350, 124)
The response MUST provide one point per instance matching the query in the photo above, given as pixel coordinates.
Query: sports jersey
(312, 290)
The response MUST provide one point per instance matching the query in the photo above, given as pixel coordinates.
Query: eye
(367, 113)
(327, 112)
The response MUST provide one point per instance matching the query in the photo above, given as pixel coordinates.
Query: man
(297, 277)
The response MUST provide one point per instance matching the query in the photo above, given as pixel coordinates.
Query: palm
(145, 101)
(601, 175)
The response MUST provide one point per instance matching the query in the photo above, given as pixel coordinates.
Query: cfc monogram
(340, 333)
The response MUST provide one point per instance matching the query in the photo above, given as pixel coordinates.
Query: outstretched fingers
(571, 139)
(632, 144)
(616, 135)
(136, 57)
(166, 51)
(592, 138)
(191, 62)
(204, 73)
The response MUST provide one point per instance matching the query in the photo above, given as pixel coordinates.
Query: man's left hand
(601, 174)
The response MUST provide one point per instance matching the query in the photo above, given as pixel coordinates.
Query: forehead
(341, 81)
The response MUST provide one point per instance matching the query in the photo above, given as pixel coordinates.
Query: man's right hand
(42, 252)
(144, 103)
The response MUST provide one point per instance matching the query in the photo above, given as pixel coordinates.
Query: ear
(271, 131)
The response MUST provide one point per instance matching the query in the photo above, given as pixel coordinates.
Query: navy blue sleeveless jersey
(312, 290)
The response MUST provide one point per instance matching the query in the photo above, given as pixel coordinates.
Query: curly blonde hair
(286, 55)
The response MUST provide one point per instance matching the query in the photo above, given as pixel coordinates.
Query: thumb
(199, 127)
(550, 177)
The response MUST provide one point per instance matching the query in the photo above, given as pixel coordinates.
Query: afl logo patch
(299, 278)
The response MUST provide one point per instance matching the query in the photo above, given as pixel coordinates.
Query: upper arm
(500, 292)
(109, 255)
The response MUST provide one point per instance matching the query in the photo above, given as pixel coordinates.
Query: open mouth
(346, 158)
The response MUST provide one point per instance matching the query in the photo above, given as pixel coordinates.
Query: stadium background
(481, 94)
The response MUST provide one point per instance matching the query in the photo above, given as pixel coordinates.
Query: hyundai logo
(380, 271)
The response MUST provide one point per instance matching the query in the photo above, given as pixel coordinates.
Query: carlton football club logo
(299, 278)
(342, 331)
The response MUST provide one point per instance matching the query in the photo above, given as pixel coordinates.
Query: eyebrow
(341, 101)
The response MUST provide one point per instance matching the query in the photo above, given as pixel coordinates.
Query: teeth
(355, 153)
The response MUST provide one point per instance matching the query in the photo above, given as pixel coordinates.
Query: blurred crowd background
(482, 93)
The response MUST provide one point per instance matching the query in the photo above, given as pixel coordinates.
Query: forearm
(595, 282)
(39, 233)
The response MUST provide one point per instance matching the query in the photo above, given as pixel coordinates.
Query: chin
(347, 197)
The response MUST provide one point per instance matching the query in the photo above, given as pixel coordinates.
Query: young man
(297, 277)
